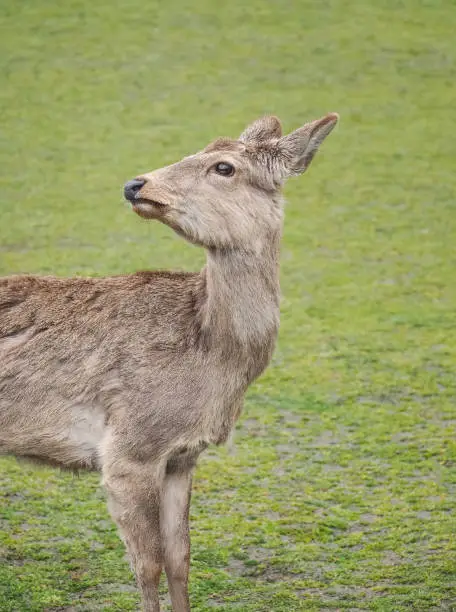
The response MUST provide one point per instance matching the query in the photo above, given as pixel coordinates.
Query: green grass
(341, 493)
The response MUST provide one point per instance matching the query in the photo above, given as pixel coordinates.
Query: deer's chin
(148, 209)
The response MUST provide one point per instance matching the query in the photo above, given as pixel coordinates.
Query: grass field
(341, 492)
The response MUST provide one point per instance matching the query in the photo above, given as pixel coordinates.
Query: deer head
(228, 195)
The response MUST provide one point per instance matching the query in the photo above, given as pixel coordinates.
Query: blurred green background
(341, 492)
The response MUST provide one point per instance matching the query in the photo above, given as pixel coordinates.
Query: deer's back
(44, 302)
(69, 348)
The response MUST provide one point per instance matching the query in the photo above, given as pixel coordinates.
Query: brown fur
(136, 375)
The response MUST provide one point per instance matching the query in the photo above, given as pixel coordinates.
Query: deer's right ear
(261, 130)
(298, 148)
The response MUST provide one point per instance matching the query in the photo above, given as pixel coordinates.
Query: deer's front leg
(175, 537)
(134, 492)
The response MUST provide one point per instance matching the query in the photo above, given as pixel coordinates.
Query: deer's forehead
(210, 156)
(225, 144)
(224, 149)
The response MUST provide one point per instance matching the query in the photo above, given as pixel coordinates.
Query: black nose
(132, 187)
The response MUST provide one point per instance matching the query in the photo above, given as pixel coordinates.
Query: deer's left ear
(262, 130)
(298, 148)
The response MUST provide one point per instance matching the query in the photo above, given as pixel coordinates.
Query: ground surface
(341, 493)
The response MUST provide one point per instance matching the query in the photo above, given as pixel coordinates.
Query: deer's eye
(224, 168)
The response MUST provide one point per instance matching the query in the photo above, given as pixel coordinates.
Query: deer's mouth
(148, 208)
(149, 202)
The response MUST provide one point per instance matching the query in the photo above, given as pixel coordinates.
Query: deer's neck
(240, 314)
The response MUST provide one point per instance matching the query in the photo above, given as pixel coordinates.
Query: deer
(135, 375)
